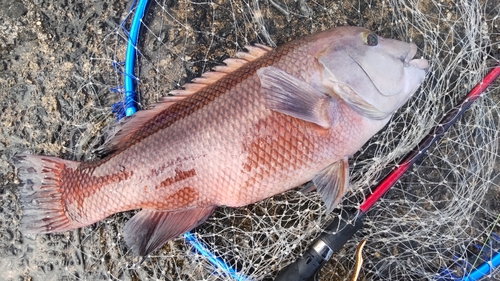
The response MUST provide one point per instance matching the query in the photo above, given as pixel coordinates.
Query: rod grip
(334, 237)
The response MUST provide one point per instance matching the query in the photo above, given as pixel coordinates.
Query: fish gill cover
(62, 66)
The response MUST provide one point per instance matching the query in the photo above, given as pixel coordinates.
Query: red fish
(267, 122)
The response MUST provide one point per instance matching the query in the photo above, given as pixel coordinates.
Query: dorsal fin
(207, 78)
(126, 127)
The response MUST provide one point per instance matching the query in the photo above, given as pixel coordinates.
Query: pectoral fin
(309, 187)
(148, 230)
(332, 183)
(289, 95)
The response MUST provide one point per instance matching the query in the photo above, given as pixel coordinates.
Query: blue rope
(127, 107)
(212, 258)
(492, 261)
(484, 269)
(130, 55)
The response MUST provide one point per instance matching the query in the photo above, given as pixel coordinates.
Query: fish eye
(371, 39)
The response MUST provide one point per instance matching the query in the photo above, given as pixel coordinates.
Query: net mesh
(438, 221)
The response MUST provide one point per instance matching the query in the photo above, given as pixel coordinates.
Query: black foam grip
(336, 234)
(341, 229)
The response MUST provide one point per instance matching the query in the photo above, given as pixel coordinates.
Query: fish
(267, 121)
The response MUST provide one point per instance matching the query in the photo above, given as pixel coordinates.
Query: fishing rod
(343, 227)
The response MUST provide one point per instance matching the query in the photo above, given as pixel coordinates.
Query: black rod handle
(336, 234)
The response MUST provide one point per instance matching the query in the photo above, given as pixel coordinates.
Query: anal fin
(148, 230)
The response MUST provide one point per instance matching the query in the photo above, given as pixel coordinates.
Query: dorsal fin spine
(127, 127)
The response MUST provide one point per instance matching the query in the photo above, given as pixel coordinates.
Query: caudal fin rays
(41, 190)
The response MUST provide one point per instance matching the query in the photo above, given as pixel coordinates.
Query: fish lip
(422, 64)
(411, 53)
(410, 62)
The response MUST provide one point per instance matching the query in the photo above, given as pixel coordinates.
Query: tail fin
(40, 189)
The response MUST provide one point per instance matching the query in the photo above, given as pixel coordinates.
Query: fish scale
(263, 124)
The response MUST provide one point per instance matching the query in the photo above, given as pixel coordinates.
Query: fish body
(267, 122)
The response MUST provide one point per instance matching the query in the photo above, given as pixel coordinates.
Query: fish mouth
(408, 61)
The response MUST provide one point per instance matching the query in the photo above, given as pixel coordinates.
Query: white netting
(429, 223)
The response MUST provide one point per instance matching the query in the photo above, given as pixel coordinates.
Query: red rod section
(435, 134)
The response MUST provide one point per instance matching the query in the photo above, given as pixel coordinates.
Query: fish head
(374, 74)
